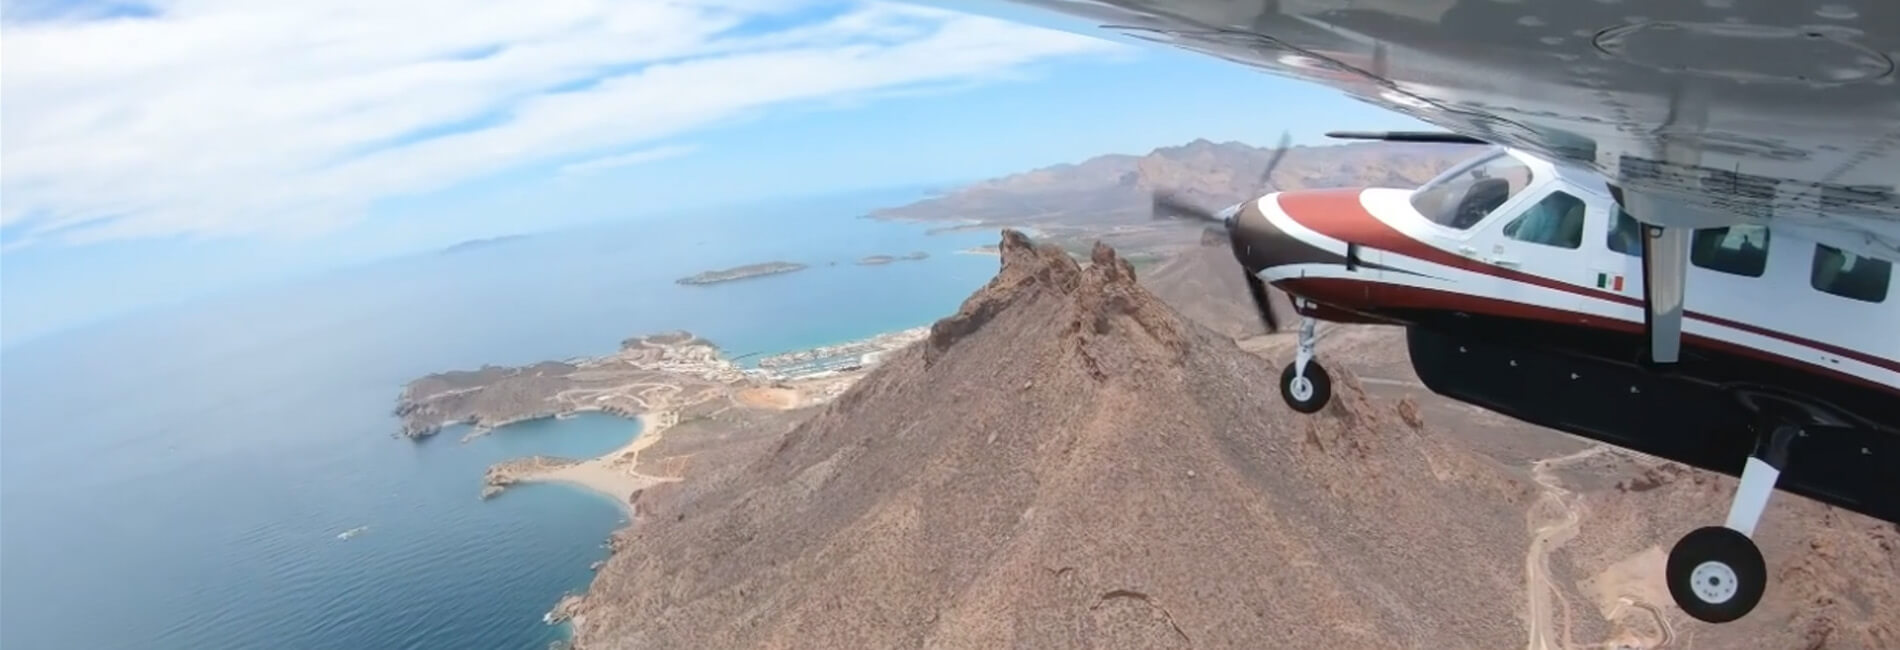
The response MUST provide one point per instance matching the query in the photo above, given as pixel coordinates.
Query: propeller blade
(1258, 289)
(1406, 136)
(1169, 206)
(1279, 153)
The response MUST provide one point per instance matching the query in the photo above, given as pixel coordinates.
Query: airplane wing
(1703, 113)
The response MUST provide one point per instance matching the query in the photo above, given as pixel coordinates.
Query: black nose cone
(1259, 244)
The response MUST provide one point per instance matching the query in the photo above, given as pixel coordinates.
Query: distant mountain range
(1107, 198)
(1116, 188)
(485, 242)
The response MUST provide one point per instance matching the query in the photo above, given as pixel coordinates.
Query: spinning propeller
(1169, 205)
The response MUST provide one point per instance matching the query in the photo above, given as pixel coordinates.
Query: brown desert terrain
(1070, 462)
(1067, 462)
(1080, 459)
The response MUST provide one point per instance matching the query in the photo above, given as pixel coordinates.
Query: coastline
(679, 377)
(804, 379)
(614, 474)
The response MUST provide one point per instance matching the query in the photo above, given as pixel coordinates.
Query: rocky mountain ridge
(1066, 461)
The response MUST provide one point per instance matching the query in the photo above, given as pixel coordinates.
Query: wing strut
(1665, 276)
(1665, 272)
(1666, 250)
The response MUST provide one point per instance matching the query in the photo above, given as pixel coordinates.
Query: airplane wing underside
(1726, 111)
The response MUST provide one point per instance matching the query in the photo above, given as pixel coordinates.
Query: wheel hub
(1713, 582)
(1302, 388)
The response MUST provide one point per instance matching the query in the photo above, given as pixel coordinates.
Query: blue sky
(158, 152)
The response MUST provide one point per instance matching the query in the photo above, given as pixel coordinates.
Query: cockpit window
(1463, 198)
(1557, 220)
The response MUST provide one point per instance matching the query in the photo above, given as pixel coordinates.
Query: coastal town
(647, 373)
(657, 379)
(843, 357)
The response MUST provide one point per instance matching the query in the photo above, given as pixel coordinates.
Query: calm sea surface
(180, 478)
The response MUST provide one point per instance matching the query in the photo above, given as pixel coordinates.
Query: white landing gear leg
(1716, 573)
(1304, 383)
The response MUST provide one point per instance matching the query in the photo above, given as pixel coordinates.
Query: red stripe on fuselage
(1338, 214)
(1396, 296)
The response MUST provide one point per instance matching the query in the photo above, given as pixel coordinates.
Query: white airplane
(1684, 245)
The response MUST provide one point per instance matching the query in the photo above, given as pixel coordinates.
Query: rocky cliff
(1066, 462)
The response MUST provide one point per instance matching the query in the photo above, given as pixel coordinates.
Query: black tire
(1322, 388)
(1727, 567)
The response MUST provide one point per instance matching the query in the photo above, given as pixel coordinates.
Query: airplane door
(1543, 238)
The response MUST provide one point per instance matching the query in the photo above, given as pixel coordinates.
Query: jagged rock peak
(1022, 256)
(1027, 269)
(1093, 301)
(1113, 268)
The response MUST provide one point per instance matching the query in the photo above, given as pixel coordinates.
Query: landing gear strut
(1304, 383)
(1716, 573)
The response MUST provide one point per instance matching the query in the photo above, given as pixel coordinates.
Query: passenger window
(1850, 276)
(1555, 221)
(1738, 250)
(1462, 199)
(1626, 235)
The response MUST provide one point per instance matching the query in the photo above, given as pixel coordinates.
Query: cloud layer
(213, 117)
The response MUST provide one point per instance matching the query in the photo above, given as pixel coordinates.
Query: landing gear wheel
(1306, 394)
(1716, 574)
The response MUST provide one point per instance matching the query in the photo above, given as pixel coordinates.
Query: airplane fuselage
(1528, 266)
(1765, 350)
(1408, 263)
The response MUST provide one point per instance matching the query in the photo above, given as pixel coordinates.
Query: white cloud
(616, 161)
(217, 117)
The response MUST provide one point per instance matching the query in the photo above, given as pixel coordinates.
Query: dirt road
(1553, 521)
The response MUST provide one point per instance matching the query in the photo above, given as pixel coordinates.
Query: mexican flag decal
(1610, 281)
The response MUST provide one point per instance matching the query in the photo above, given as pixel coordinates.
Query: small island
(875, 260)
(741, 273)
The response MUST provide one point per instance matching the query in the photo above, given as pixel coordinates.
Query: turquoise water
(178, 479)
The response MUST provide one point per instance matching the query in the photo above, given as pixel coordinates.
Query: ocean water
(179, 478)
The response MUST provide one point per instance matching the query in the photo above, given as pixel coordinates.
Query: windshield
(1463, 197)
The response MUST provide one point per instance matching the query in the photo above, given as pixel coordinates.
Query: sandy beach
(612, 474)
(656, 380)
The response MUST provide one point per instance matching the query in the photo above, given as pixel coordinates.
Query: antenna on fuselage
(1406, 136)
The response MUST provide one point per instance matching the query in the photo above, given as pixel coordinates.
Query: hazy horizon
(128, 186)
(247, 432)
